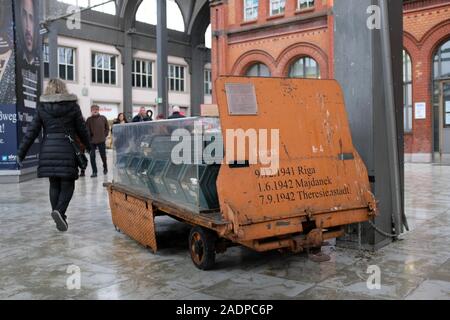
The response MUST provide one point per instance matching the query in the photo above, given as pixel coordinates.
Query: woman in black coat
(57, 114)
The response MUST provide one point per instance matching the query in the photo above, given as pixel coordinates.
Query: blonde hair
(56, 86)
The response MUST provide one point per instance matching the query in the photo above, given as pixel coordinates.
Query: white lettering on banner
(29, 85)
(8, 117)
(25, 117)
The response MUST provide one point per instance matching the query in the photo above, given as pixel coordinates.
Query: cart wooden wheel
(202, 247)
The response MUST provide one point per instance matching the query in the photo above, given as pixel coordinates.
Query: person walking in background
(150, 115)
(59, 115)
(142, 116)
(121, 119)
(98, 128)
(176, 113)
(83, 150)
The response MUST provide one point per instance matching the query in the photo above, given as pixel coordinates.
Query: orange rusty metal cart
(319, 186)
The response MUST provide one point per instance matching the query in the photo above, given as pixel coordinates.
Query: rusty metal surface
(134, 217)
(298, 243)
(321, 174)
(321, 183)
(213, 220)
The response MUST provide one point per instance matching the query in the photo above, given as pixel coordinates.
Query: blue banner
(8, 137)
(20, 79)
(7, 55)
(28, 77)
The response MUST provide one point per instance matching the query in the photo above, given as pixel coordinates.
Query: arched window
(305, 67)
(442, 62)
(208, 37)
(441, 73)
(407, 92)
(147, 14)
(258, 70)
(109, 8)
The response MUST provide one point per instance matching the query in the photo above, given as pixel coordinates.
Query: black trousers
(61, 192)
(102, 149)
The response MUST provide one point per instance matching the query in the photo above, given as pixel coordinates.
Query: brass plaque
(241, 99)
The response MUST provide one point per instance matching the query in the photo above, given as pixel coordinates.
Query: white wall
(113, 94)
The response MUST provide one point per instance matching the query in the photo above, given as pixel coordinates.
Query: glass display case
(167, 161)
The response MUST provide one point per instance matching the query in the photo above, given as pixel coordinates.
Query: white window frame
(143, 73)
(407, 92)
(67, 65)
(251, 7)
(277, 7)
(306, 62)
(179, 81)
(104, 69)
(207, 82)
(259, 66)
(309, 4)
(46, 59)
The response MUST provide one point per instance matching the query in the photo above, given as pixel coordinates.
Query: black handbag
(80, 157)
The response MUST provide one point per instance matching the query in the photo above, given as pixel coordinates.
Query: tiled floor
(34, 257)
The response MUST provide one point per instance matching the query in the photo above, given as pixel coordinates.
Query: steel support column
(197, 79)
(53, 50)
(359, 50)
(127, 60)
(161, 60)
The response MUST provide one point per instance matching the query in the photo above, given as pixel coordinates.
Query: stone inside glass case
(166, 160)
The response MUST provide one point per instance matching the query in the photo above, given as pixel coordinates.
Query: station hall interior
(357, 93)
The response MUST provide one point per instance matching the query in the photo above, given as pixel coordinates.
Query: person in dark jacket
(142, 116)
(98, 128)
(121, 119)
(82, 150)
(176, 113)
(150, 115)
(58, 115)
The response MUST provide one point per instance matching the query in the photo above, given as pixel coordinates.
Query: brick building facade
(295, 38)
(426, 33)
